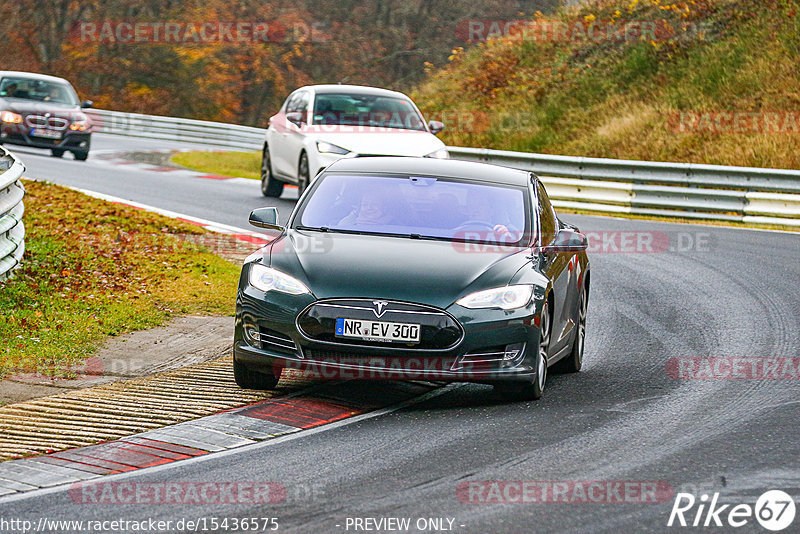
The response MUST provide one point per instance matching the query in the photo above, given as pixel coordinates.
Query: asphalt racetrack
(642, 410)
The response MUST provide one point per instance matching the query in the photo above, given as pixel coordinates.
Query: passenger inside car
(373, 210)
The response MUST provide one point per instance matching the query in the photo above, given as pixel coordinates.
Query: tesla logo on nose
(380, 307)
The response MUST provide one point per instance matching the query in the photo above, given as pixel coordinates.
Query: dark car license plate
(377, 330)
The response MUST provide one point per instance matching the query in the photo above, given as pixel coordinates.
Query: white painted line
(242, 181)
(245, 448)
(211, 225)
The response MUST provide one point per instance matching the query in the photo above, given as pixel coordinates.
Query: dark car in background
(43, 111)
(404, 268)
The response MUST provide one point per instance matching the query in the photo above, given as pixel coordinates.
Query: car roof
(32, 76)
(353, 89)
(451, 168)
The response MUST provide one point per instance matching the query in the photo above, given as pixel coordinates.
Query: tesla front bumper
(457, 344)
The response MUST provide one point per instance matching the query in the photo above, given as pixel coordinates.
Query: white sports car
(319, 124)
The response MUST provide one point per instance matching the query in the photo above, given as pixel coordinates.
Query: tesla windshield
(366, 110)
(38, 90)
(416, 206)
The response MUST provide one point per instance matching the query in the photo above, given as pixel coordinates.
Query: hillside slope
(719, 83)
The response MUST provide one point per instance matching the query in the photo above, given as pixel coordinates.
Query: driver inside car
(482, 211)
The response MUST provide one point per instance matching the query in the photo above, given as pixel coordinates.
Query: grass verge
(663, 99)
(227, 163)
(94, 269)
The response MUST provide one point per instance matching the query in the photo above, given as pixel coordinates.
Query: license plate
(50, 134)
(377, 330)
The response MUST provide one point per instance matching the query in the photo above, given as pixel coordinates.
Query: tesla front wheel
(534, 389)
(247, 378)
(574, 361)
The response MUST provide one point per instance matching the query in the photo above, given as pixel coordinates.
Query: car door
(296, 134)
(285, 137)
(557, 267)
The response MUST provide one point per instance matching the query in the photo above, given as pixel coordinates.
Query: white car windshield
(416, 206)
(38, 90)
(366, 110)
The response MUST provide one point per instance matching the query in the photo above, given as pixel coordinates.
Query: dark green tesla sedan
(415, 268)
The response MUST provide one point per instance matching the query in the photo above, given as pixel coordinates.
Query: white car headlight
(10, 117)
(442, 153)
(330, 148)
(268, 279)
(505, 298)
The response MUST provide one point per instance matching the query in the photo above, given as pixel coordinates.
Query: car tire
(533, 390)
(247, 378)
(80, 155)
(270, 186)
(303, 174)
(57, 152)
(574, 361)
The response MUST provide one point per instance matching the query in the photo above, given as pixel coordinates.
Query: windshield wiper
(326, 229)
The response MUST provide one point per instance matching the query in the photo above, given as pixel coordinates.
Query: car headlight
(505, 298)
(324, 146)
(10, 117)
(79, 123)
(442, 153)
(268, 279)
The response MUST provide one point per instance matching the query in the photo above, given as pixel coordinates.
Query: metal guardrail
(679, 190)
(177, 129)
(12, 230)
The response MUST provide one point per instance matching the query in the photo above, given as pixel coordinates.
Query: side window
(302, 105)
(294, 103)
(287, 106)
(546, 215)
(298, 102)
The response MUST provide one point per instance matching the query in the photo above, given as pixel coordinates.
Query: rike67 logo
(774, 510)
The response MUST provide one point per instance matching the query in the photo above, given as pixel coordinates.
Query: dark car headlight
(268, 279)
(504, 298)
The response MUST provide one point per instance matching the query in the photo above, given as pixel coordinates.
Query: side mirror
(567, 241)
(435, 127)
(87, 104)
(296, 117)
(265, 218)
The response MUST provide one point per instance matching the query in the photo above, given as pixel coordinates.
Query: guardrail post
(12, 230)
